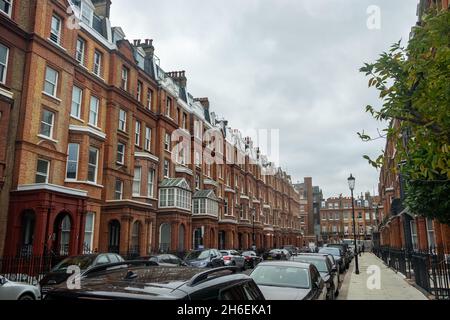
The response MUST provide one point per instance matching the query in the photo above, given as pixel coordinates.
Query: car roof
(152, 282)
(285, 264)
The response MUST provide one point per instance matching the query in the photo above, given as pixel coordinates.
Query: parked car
(305, 250)
(275, 254)
(208, 258)
(288, 280)
(233, 258)
(335, 265)
(128, 282)
(251, 259)
(345, 250)
(292, 249)
(85, 262)
(166, 260)
(327, 271)
(17, 291)
(337, 254)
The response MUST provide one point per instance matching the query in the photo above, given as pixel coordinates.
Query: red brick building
(111, 153)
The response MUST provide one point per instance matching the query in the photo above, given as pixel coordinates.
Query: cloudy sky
(290, 65)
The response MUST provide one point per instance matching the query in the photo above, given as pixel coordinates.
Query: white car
(17, 291)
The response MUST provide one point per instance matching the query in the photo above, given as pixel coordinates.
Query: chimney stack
(179, 77)
(102, 7)
(147, 46)
(204, 102)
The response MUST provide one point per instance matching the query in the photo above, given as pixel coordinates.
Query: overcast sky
(281, 64)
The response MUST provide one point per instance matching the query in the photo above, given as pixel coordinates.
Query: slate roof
(209, 194)
(175, 183)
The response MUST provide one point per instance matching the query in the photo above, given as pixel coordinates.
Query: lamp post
(253, 232)
(351, 184)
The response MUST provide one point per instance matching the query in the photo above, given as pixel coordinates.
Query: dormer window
(87, 14)
(5, 6)
(55, 32)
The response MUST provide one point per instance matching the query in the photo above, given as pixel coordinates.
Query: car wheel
(26, 297)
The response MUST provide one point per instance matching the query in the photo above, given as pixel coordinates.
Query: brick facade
(84, 172)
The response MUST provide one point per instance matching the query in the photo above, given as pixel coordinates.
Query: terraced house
(102, 150)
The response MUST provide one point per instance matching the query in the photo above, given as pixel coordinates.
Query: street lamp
(253, 234)
(351, 185)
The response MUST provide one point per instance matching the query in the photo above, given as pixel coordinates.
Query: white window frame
(56, 35)
(55, 84)
(90, 165)
(78, 104)
(151, 183)
(80, 55)
(118, 192)
(120, 154)
(97, 68)
(87, 14)
(10, 2)
(414, 234)
(124, 78)
(148, 138)
(72, 161)
(168, 106)
(91, 232)
(4, 65)
(94, 112)
(149, 98)
(51, 125)
(166, 162)
(137, 181)
(43, 174)
(430, 229)
(167, 142)
(137, 133)
(139, 91)
(122, 120)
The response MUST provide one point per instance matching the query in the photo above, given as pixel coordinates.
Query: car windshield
(333, 251)
(198, 255)
(320, 264)
(225, 253)
(248, 253)
(83, 262)
(281, 276)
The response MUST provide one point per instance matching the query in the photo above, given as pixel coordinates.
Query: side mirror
(334, 269)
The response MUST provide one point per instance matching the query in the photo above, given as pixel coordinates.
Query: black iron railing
(430, 269)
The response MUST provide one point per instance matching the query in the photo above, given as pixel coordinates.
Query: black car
(208, 258)
(275, 254)
(251, 258)
(166, 260)
(327, 271)
(344, 248)
(137, 282)
(59, 273)
(289, 280)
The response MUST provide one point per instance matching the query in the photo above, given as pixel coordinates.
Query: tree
(414, 87)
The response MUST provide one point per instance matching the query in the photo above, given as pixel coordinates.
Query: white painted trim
(130, 201)
(84, 182)
(228, 189)
(6, 93)
(59, 46)
(243, 196)
(52, 187)
(49, 95)
(89, 130)
(182, 169)
(47, 138)
(146, 155)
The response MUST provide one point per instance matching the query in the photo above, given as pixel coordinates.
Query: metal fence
(27, 269)
(430, 269)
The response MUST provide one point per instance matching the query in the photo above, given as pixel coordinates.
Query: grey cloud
(287, 64)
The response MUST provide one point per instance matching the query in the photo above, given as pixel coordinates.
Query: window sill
(76, 118)
(98, 76)
(50, 96)
(56, 44)
(47, 138)
(94, 184)
(122, 164)
(95, 127)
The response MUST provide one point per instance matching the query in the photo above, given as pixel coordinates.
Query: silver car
(17, 291)
(233, 258)
(288, 280)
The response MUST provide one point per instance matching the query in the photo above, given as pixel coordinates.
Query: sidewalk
(393, 285)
